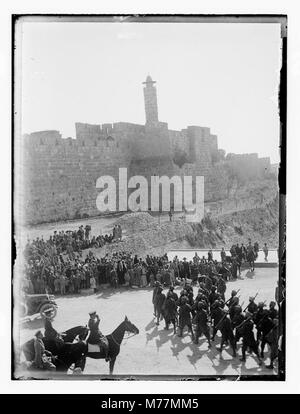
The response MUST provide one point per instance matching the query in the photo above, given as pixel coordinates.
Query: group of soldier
(208, 312)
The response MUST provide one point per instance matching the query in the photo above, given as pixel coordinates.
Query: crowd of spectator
(57, 266)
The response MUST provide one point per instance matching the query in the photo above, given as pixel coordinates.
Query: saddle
(94, 348)
(97, 345)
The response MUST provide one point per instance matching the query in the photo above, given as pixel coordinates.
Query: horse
(114, 343)
(54, 345)
(68, 353)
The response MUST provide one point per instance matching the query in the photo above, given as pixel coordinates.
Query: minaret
(150, 101)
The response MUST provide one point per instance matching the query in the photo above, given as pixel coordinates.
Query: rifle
(221, 320)
(259, 323)
(249, 303)
(232, 296)
(242, 323)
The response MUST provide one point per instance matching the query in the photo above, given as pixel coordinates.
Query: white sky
(222, 76)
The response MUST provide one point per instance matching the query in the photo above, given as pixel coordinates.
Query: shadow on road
(250, 274)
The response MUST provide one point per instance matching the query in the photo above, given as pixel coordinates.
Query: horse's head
(130, 327)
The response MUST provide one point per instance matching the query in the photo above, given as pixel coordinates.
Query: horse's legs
(81, 363)
(111, 365)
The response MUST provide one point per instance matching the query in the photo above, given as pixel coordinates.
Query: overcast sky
(221, 76)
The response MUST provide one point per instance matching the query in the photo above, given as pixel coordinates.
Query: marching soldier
(185, 311)
(170, 311)
(259, 316)
(265, 325)
(232, 299)
(252, 306)
(237, 320)
(217, 314)
(227, 334)
(213, 296)
(201, 322)
(221, 287)
(248, 338)
(272, 338)
(159, 302)
(155, 290)
(232, 307)
(273, 312)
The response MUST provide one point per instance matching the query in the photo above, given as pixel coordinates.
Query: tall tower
(150, 101)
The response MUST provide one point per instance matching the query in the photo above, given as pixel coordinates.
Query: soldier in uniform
(96, 336)
(201, 322)
(259, 316)
(159, 302)
(190, 294)
(200, 297)
(221, 287)
(252, 306)
(248, 338)
(272, 338)
(155, 290)
(213, 296)
(231, 300)
(170, 311)
(185, 311)
(273, 312)
(265, 325)
(231, 308)
(217, 314)
(227, 334)
(237, 320)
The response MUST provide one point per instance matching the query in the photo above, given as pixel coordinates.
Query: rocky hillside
(143, 235)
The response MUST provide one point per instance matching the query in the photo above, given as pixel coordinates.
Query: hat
(233, 292)
(251, 298)
(261, 304)
(92, 313)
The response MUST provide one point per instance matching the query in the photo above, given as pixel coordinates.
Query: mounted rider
(96, 336)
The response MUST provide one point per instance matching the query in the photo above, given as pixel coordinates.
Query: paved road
(156, 351)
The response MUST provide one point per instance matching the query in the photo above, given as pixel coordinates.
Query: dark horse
(114, 343)
(63, 349)
(68, 353)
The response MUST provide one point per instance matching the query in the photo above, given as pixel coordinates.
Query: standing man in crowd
(266, 251)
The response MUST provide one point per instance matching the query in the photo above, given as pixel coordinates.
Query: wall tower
(150, 98)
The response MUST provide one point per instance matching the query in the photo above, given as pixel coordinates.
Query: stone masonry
(60, 174)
